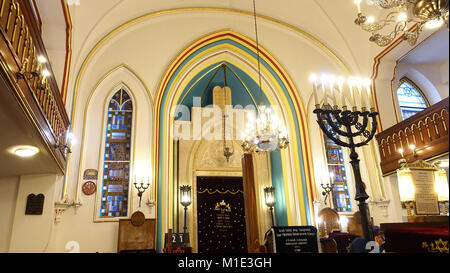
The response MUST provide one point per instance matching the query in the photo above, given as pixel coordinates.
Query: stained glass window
(410, 98)
(116, 167)
(336, 169)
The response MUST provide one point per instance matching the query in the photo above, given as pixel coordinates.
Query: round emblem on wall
(137, 219)
(89, 188)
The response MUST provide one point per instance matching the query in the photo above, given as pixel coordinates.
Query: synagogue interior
(233, 126)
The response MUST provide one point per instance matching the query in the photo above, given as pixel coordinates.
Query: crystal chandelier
(266, 132)
(402, 16)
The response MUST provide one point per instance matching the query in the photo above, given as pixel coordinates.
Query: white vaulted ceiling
(331, 22)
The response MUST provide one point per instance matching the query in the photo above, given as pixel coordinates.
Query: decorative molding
(62, 206)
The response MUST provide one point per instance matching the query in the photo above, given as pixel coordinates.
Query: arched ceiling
(331, 22)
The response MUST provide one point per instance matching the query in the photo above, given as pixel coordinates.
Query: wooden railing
(21, 46)
(428, 131)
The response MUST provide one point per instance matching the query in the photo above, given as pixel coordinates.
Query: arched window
(336, 169)
(117, 162)
(410, 98)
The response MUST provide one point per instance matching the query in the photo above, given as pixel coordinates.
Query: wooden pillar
(251, 215)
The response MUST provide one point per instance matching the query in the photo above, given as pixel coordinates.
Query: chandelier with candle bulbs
(266, 132)
(405, 18)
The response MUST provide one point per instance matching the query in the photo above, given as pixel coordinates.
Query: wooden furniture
(427, 130)
(251, 218)
(330, 222)
(137, 238)
(328, 245)
(425, 237)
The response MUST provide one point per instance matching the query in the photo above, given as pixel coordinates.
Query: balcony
(427, 130)
(31, 106)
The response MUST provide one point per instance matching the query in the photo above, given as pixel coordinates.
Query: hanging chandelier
(265, 133)
(402, 17)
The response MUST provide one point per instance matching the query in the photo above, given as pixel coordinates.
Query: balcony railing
(21, 46)
(426, 130)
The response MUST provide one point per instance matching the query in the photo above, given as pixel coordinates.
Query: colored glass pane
(410, 100)
(116, 172)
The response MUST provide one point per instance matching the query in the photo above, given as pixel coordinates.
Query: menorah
(337, 123)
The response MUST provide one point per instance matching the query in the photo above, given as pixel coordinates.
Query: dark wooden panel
(427, 130)
(136, 238)
(251, 215)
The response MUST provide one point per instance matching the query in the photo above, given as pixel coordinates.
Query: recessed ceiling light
(26, 151)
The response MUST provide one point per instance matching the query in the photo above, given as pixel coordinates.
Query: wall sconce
(22, 74)
(186, 200)
(269, 195)
(65, 147)
(406, 188)
(328, 187)
(141, 187)
(441, 188)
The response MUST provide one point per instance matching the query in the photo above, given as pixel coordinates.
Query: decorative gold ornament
(408, 18)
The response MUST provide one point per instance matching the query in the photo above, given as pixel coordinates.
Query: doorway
(221, 215)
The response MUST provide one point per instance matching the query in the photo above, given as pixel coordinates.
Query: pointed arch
(279, 89)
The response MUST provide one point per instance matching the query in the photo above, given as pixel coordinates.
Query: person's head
(354, 224)
(379, 237)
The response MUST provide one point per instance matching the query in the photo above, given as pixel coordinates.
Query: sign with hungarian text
(295, 239)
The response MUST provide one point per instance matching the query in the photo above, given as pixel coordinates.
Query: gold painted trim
(140, 18)
(105, 76)
(121, 27)
(394, 90)
(426, 160)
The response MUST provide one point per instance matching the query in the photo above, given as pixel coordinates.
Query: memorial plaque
(90, 174)
(35, 204)
(425, 194)
(296, 239)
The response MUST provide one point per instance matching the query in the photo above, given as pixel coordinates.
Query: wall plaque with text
(295, 239)
(425, 194)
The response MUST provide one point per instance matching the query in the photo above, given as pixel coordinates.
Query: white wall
(431, 78)
(31, 233)
(8, 199)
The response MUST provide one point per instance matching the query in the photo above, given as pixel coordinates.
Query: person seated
(359, 244)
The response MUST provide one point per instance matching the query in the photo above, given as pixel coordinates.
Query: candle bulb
(340, 83)
(352, 97)
(334, 97)
(333, 93)
(361, 96)
(358, 5)
(367, 83)
(323, 81)
(313, 79)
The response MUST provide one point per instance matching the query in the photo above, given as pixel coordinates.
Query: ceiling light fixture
(25, 151)
(266, 133)
(403, 16)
